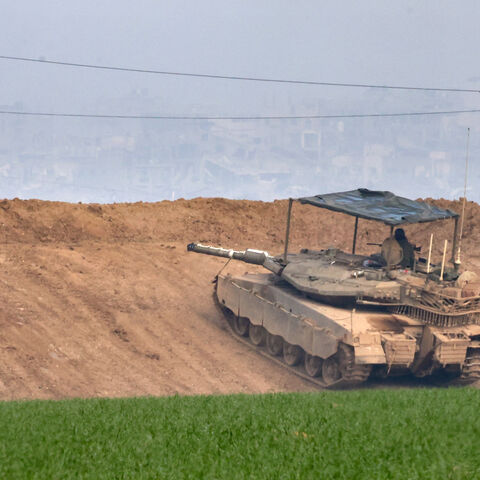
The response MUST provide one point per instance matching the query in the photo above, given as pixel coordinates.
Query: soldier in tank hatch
(408, 249)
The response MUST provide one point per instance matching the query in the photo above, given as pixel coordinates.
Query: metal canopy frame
(440, 215)
(377, 205)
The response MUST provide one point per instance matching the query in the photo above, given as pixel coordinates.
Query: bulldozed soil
(104, 300)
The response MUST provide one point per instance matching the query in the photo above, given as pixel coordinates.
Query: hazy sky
(416, 43)
(403, 42)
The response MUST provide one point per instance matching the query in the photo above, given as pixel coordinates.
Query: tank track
(352, 375)
(471, 368)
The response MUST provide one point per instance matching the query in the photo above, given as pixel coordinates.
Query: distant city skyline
(105, 160)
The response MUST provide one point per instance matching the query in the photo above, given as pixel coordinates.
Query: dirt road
(105, 300)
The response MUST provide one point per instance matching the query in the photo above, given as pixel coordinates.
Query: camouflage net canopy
(381, 206)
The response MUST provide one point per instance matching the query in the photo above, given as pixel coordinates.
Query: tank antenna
(287, 233)
(457, 261)
(443, 260)
(429, 253)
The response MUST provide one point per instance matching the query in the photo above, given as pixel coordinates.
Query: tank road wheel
(313, 365)
(274, 344)
(241, 326)
(292, 354)
(257, 334)
(331, 372)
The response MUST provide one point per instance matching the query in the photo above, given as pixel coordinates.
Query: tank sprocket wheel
(471, 368)
(257, 334)
(292, 354)
(241, 326)
(341, 369)
(353, 374)
(313, 365)
(274, 344)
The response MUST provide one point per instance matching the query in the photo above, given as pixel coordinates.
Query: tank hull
(343, 346)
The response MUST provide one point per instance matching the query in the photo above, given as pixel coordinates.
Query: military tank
(339, 317)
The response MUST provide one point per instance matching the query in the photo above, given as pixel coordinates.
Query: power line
(254, 117)
(235, 77)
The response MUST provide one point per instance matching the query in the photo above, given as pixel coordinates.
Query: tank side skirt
(276, 319)
(260, 350)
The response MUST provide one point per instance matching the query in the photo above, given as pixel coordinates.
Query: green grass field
(376, 434)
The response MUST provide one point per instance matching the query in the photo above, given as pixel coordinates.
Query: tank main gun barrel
(256, 257)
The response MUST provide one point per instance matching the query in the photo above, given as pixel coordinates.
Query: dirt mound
(103, 300)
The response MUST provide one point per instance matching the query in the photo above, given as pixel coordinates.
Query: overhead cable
(237, 77)
(250, 117)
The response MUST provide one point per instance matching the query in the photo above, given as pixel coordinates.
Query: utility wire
(234, 77)
(254, 117)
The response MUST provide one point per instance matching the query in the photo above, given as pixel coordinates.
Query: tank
(341, 317)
